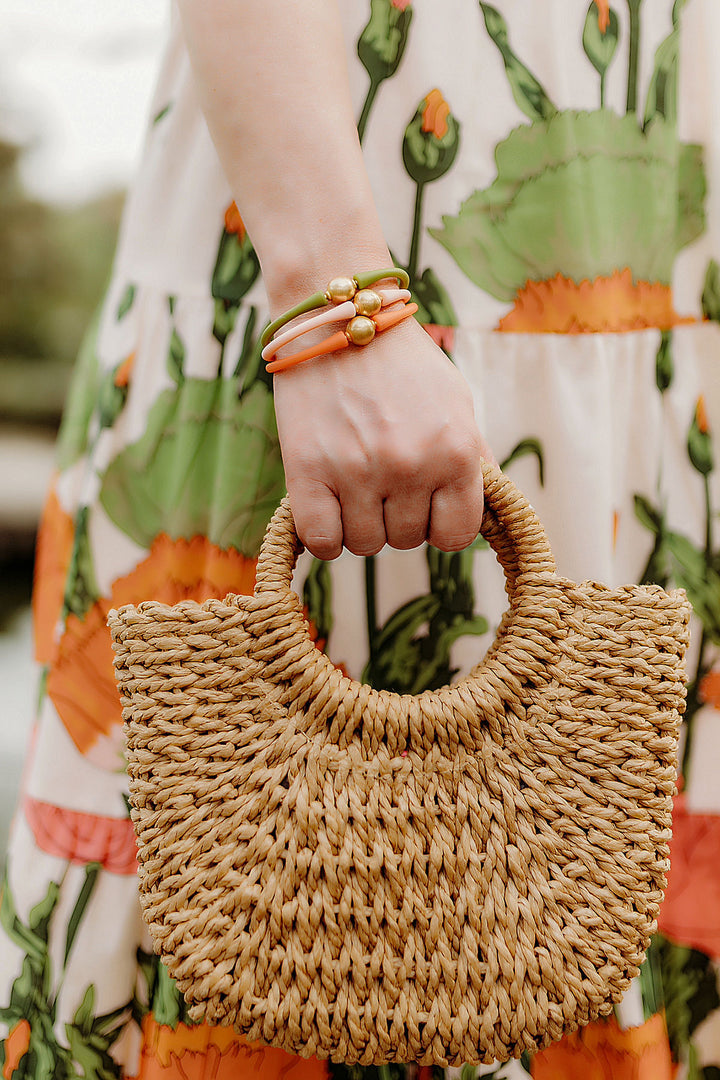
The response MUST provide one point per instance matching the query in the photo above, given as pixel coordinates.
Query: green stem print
(412, 263)
(367, 107)
(633, 53)
(371, 615)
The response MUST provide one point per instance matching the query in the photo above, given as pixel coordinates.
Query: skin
(380, 444)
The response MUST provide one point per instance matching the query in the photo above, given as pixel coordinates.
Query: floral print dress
(549, 174)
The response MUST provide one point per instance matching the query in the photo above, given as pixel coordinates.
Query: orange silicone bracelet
(383, 321)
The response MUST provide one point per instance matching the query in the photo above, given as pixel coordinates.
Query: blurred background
(76, 78)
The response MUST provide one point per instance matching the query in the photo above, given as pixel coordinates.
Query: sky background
(76, 78)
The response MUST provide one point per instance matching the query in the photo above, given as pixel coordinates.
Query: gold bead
(360, 330)
(367, 302)
(340, 289)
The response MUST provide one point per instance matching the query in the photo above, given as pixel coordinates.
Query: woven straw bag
(370, 877)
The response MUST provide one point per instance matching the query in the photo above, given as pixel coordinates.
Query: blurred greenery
(54, 265)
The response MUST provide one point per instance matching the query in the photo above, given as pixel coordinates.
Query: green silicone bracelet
(369, 277)
(319, 299)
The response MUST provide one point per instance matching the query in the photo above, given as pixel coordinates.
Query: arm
(380, 445)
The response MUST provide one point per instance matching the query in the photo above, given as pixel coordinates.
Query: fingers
(456, 515)
(318, 519)
(362, 522)
(406, 519)
(325, 522)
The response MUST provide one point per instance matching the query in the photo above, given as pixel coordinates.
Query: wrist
(302, 262)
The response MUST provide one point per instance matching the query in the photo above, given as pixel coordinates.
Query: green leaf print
(207, 464)
(689, 988)
(581, 195)
(711, 292)
(74, 439)
(433, 300)
(699, 443)
(162, 113)
(317, 598)
(31, 939)
(81, 588)
(412, 649)
(111, 398)
(92, 871)
(527, 91)
(689, 568)
(236, 268)
(664, 367)
(33, 998)
(176, 358)
(126, 302)
(692, 191)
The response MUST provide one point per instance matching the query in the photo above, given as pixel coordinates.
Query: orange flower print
(603, 9)
(709, 689)
(233, 222)
(202, 1052)
(603, 1051)
(610, 304)
(400, 4)
(435, 113)
(690, 912)
(444, 336)
(82, 838)
(178, 570)
(52, 556)
(81, 681)
(122, 375)
(701, 416)
(16, 1046)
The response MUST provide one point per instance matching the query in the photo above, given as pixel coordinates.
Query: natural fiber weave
(309, 882)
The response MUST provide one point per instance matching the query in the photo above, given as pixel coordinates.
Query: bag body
(449, 878)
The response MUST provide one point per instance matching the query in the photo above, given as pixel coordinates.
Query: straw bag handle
(510, 525)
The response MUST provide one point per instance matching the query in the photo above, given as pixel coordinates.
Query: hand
(380, 446)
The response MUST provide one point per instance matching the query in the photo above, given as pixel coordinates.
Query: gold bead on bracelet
(340, 289)
(367, 302)
(360, 330)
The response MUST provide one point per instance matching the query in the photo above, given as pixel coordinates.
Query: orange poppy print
(82, 838)
(52, 557)
(233, 222)
(122, 375)
(202, 1052)
(603, 10)
(81, 681)
(16, 1047)
(612, 304)
(709, 689)
(435, 113)
(690, 912)
(603, 1051)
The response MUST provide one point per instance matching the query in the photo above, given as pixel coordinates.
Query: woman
(545, 175)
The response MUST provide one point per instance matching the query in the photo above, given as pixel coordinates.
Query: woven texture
(448, 878)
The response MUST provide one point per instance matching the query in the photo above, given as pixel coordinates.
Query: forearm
(273, 84)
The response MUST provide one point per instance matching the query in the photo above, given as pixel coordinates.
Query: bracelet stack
(349, 298)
